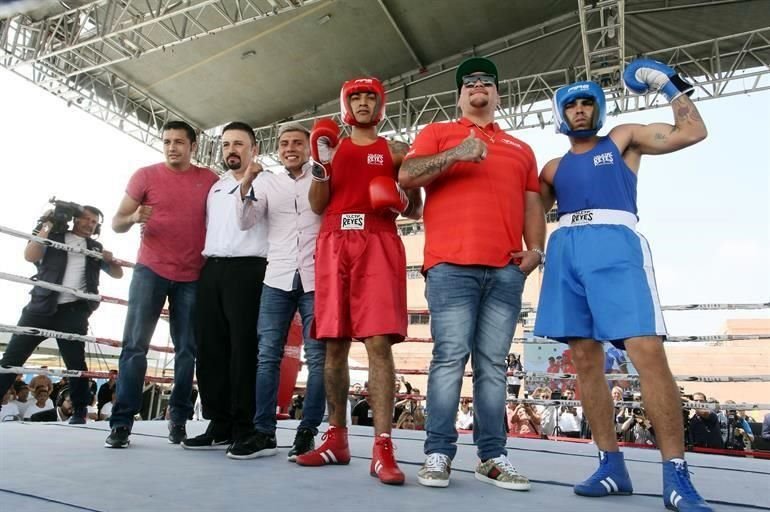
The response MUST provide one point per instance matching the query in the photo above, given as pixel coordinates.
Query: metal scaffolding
(70, 54)
(713, 64)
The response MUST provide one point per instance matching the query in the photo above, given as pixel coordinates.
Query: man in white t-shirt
(41, 403)
(60, 311)
(9, 411)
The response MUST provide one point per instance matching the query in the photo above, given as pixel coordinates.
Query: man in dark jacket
(61, 311)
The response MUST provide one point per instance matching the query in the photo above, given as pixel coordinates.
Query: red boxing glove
(323, 139)
(384, 193)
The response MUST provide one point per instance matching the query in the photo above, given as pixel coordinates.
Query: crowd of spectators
(720, 426)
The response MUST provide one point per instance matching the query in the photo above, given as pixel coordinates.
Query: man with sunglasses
(482, 198)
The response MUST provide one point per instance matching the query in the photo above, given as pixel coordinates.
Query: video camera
(60, 216)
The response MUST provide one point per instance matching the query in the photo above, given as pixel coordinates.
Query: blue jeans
(276, 312)
(146, 297)
(473, 312)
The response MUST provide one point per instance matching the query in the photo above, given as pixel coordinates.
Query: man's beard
(479, 101)
(233, 166)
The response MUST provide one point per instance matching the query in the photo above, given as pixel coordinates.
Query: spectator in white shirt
(569, 417)
(41, 403)
(281, 197)
(23, 400)
(228, 295)
(8, 409)
(464, 416)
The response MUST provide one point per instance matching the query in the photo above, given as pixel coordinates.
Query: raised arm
(35, 251)
(662, 138)
(324, 138)
(642, 76)
(250, 205)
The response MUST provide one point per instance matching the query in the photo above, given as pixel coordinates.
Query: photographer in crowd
(737, 433)
(60, 311)
(513, 379)
(704, 426)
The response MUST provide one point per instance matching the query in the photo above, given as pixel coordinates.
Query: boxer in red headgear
(360, 266)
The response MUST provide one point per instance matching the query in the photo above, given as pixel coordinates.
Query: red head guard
(362, 85)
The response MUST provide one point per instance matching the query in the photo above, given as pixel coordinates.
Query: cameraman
(704, 426)
(59, 311)
(513, 381)
(738, 434)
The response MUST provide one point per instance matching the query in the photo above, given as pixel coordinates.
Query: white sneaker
(435, 471)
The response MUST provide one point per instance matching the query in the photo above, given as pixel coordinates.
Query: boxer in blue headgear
(599, 283)
(567, 96)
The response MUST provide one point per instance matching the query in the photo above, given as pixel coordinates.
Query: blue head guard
(568, 94)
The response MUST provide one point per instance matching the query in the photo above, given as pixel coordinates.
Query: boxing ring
(56, 466)
(154, 475)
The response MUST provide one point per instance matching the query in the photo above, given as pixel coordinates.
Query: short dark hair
(93, 209)
(180, 125)
(244, 127)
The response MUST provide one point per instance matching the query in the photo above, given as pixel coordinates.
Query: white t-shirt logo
(603, 159)
(375, 159)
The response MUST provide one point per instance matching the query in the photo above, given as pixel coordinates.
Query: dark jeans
(226, 327)
(146, 297)
(71, 317)
(275, 316)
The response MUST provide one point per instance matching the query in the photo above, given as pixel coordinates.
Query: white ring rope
(608, 376)
(534, 401)
(674, 307)
(51, 286)
(538, 340)
(47, 333)
(533, 340)
(77, 293)
(75, 373)
(57, 245)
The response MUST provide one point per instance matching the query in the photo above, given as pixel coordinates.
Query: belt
(226, 259)
(590, 217)
(370, 222)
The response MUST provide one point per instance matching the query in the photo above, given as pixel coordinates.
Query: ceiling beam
(100, 34)
(401, 35)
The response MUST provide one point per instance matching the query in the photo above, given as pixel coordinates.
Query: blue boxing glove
(643, 75)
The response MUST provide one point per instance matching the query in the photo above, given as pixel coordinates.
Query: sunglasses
(486, 80)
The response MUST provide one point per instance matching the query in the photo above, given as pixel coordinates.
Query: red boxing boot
(333, 450)
(384, 464)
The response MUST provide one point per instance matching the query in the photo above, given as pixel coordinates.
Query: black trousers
(229, 291)
(71, 317)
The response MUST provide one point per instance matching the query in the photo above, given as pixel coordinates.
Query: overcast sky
(705, 210)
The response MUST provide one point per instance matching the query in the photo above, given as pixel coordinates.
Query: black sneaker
(176, 433)
(118, 438)
(256, 445)
(206, 441)
(304, 442)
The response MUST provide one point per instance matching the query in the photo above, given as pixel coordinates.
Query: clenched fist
(142, 214)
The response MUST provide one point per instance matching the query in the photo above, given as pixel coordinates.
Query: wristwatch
(541, 254)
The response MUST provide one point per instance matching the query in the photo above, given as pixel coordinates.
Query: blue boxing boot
(678, 491)
(610, 479)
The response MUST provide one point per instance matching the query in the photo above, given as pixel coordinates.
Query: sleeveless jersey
(596, 179)
(353, 167)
